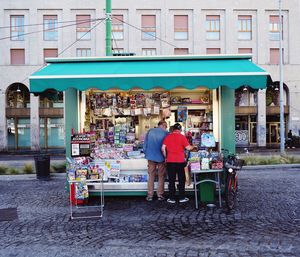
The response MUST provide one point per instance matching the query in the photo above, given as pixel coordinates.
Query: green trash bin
(206, 189)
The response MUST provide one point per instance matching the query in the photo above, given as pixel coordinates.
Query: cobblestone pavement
(266, 222)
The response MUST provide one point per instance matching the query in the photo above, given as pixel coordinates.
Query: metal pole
(108, 27)
(282, 130)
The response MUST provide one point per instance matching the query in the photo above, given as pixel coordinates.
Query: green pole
(71, 116)
(108, 28)
(227, 119)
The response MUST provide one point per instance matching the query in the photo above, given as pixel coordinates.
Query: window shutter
(180, 23)
(148, 21)
(83, 21)
(17, 56)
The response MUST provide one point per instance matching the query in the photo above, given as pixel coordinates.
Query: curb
(31, 177)
(273, 166)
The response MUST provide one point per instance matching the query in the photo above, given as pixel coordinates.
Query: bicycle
(231, 165)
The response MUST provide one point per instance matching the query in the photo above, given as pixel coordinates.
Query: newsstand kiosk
(115, 100)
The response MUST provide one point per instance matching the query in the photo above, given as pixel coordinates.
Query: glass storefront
(11, 133)
(23, 128)
(55, 128)
(245, 130)
(18, 133)
(52, 135)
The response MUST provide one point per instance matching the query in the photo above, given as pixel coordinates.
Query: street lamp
(282, 130)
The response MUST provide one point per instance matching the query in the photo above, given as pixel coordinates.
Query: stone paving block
(264, 223)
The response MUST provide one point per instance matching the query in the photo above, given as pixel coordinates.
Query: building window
(83, 52)
(245, 50)
(50, 52)
(51, 99)
(117, 27)
(18, 133)
(245, 97)
(52, 132)
(180, 27)
(148, 51)
(18, 128)
(181, 51)
(17, 27)
(274, 30)
(245, 27)
(273, 94)
(23, 128)
(213, 50)
(275, 56)
(213, 27)
(17, 56)
(50, 27)
(118, 50)
(11, 133)
(148, 27)
(18, 96)
(83, 27)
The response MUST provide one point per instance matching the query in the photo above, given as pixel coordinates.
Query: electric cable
(38, 31)
(156, 37)
(40, 24)
(66, 48)
(80, 37)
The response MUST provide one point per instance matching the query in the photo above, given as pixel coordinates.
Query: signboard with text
(80, 145)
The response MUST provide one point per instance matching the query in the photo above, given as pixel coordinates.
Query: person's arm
(145, 143)
(186, 144)
(189, 147)
(164, 150)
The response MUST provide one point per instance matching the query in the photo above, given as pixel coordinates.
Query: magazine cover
(181, 114)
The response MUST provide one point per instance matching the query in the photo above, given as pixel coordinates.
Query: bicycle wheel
(231, 191)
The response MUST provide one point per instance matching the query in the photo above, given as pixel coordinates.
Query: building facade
(32, 30)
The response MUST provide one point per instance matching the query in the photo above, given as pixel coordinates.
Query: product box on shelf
(217, 164)
(113, 167)
(205, 163)
(195, 166)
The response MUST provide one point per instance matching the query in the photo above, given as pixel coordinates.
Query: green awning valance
(166, 72)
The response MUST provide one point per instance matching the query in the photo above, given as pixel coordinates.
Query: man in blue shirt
(156, 161)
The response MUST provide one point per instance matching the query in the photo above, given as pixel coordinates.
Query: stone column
(261, 125)
(3, 126)
(34, 123)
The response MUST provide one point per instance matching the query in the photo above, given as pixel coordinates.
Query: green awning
(146, 73)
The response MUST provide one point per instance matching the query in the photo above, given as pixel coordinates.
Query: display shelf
(130, 186)
(129, 167)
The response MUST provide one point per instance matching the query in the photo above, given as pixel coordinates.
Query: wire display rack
(81, 208)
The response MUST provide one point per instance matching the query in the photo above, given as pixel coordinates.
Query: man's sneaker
(184, 200)
(149, 198)
(161, 198)
(171, 200)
